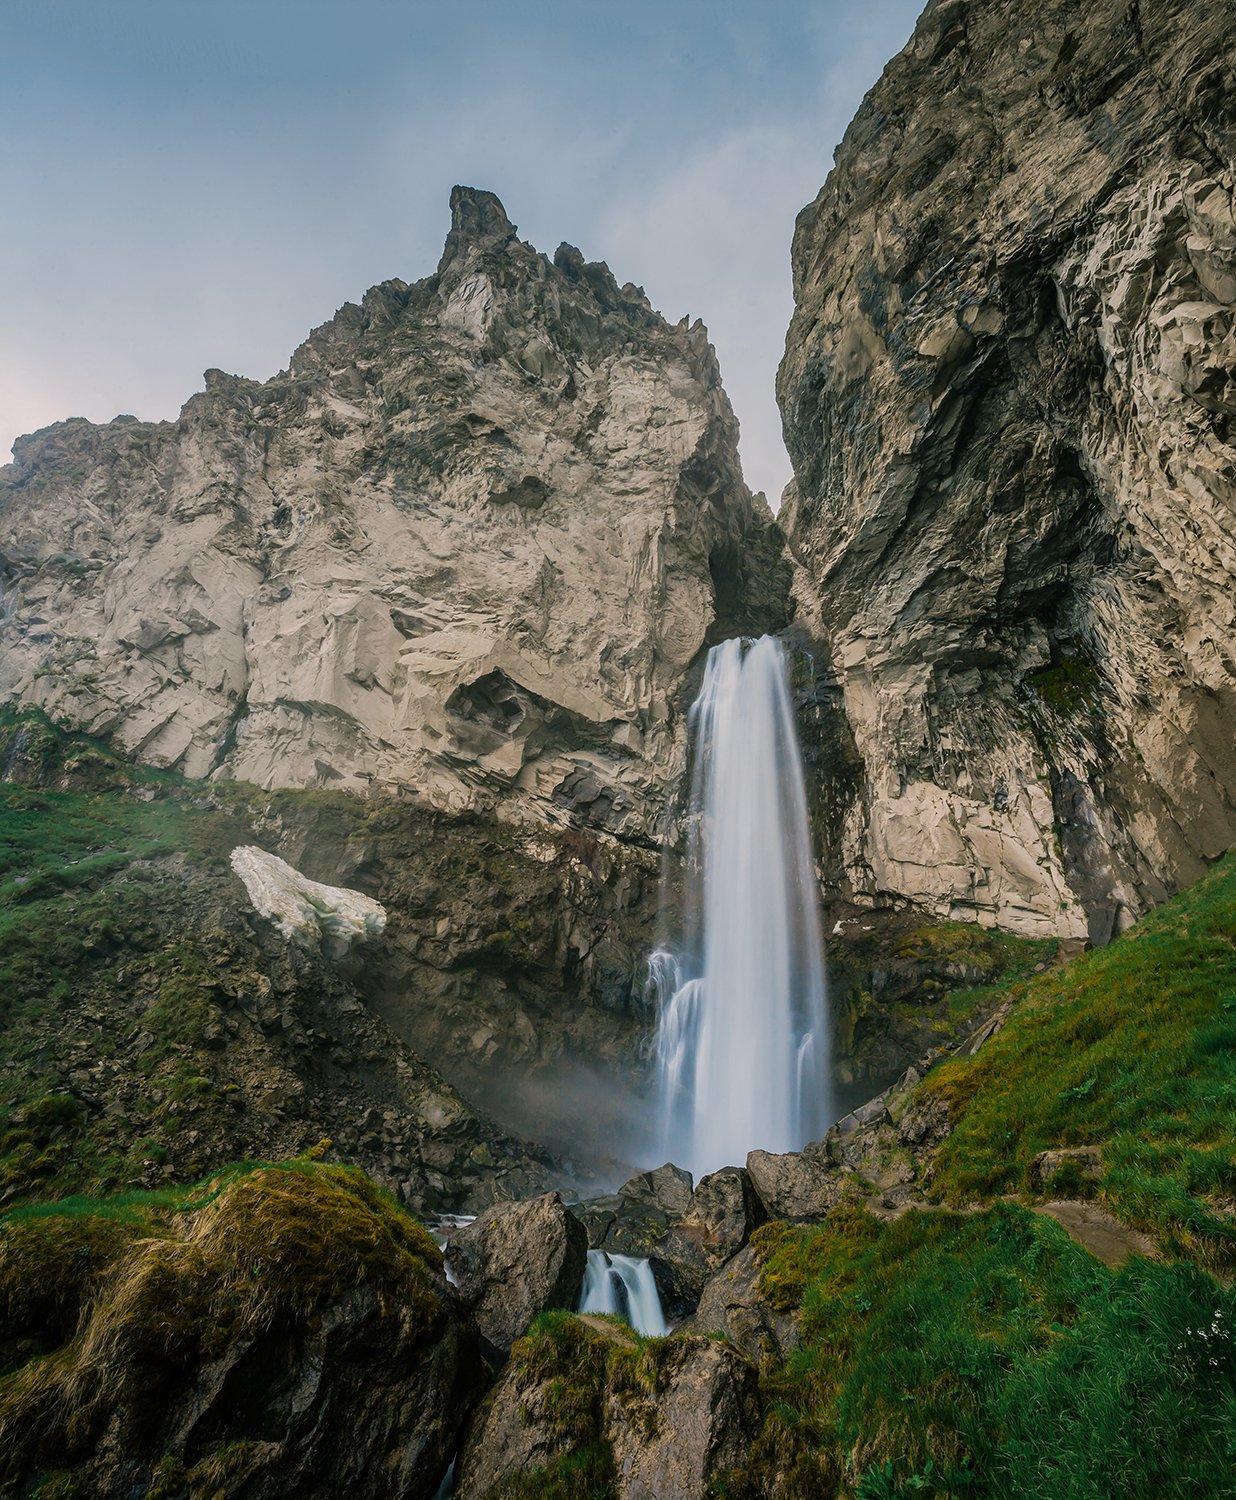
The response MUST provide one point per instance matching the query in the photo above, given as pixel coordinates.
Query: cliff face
(1009, 393)
(468, 544)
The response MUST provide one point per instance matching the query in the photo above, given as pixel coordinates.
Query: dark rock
(718, 1221)
(668, 1188)
(514, 1261)
(733, 1305)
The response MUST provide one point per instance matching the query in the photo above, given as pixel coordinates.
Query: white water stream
(742, 1041)
(623, 1285)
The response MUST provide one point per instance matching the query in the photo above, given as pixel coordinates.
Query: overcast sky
(192, 183)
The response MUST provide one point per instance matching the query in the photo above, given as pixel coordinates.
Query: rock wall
(1010, 400)
(469, 543)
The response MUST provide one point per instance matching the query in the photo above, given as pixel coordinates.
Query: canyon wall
(1009, 393)
(467, 546)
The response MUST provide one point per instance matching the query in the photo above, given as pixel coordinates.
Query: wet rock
(668, 1188)
(733, 1305)
(718, 1221)
(514, 1261)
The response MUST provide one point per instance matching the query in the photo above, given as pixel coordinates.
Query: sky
(195, 183)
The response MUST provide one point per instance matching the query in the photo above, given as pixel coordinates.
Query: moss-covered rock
(286, 1329)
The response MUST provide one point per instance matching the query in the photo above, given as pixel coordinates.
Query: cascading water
(623, 1285)
(742, 1039)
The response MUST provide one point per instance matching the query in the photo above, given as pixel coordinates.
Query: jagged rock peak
(469, 545)
(477, 218)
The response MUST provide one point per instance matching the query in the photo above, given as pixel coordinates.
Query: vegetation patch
(110, 1305)
(986, 1354)
(1132, 1048)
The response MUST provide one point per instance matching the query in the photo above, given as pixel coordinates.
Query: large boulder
(517, 1260)
(795, 1185)
(290, 1333)
(645, 1423)
(715, 1225)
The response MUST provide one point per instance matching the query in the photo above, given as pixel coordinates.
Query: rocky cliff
(1010, 399)
(467, 544)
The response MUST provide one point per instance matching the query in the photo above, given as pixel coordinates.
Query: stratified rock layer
(469, 542)
(1010, 399)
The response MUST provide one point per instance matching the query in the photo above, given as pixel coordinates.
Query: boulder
(514, 1261)
(732, 1305)
(658, 1422)
(1067, 1162)
(796, 1185)
(667, 1188)
(717, 1223)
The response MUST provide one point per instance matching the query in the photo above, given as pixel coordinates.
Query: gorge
(430, 779)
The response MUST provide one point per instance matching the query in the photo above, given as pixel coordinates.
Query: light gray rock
(1009, 395)
(315, 916)
(796, 1185)
(468, 544)
(516, 1260)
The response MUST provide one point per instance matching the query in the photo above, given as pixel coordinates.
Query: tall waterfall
(742, 1041)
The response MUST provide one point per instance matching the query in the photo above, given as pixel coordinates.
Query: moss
(164, 1281)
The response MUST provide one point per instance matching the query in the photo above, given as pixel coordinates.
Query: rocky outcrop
(517, 1260)
(468, 544)
(1010, 401)
(288, 1333)
(638, 1424)
(734, 1306)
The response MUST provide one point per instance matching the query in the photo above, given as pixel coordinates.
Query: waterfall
(742, 1039)
(624, 1285)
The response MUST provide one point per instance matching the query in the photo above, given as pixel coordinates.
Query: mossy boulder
(274, 1331)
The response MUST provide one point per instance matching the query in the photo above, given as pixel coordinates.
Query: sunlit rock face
(469, 543)
(1010, 398)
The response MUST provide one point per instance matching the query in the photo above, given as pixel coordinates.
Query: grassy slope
(1132, 1048)
(984, 1354)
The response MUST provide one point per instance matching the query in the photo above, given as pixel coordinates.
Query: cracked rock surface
(1009, 394)
(468, 543)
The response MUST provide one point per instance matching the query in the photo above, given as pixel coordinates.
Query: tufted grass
(948, 1355)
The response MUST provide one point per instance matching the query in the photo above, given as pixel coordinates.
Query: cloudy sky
(190, 183)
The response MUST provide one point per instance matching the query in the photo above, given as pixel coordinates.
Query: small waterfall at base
(624, 1285)
(742, 1046)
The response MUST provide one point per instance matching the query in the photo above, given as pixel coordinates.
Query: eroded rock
(514, 1261)
(733, 1305)
(1009, 400)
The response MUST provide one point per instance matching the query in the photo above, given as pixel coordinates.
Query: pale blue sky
(189, 183)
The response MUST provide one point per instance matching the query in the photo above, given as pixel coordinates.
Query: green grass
(1132, 1048)
(986, 1354)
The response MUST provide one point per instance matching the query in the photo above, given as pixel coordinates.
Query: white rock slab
(325, 918)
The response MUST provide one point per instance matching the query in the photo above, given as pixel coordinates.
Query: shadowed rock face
(469, 542)
(1009, 397)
